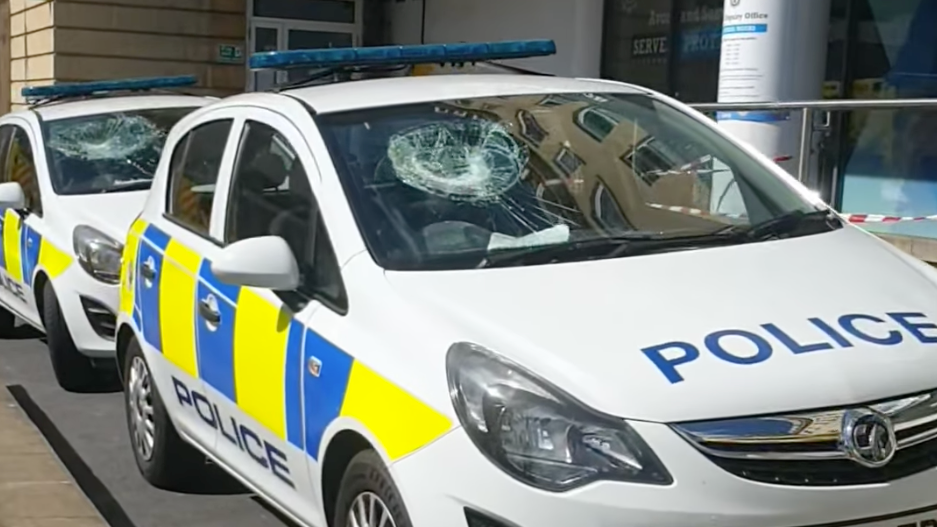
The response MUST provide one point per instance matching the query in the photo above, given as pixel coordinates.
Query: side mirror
(266, 261)
(12, 196)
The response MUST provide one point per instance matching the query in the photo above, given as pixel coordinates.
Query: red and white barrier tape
(880, 218)
(851, 218)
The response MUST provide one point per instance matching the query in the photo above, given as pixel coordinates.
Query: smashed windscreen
(472, 161)
(109, 152)
(449, 184)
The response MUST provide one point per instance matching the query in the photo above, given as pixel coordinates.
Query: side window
(20, 167)
(193, 173)
(271, 195)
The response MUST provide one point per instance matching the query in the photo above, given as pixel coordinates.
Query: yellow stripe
(177, 284)
(138, 227)
(53, 260)
(260, 333)
(128, 262)
(11, 245)
(400, 422)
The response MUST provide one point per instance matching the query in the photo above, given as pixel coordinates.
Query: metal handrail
(807, 108)
(826, 104)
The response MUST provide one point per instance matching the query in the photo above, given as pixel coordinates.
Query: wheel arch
(342, 447)
(39, 285)
(124, 337)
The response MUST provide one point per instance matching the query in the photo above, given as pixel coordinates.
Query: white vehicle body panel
(402, 323)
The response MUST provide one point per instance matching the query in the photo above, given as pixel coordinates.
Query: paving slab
(35, 488)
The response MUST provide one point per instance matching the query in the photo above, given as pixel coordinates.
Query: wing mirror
(12, 196)
(265, 261)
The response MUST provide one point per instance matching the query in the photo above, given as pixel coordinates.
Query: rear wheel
(73, 371)
(368, 496)
(164, 459)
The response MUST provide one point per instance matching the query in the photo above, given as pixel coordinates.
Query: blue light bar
(402, 55)
(77, 89)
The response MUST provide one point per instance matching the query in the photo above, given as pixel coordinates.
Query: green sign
(230, 53)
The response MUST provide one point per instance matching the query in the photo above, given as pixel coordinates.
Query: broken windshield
(109, 152)
(444, 185)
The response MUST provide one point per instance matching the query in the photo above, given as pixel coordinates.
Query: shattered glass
(473, 161)
(108, 152)
(116, 136)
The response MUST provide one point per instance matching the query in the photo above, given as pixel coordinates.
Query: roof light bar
(78, 89)
(402, 55)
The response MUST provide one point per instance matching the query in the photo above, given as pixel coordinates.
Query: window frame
(21, 128)
(183, 142)
(305, 292)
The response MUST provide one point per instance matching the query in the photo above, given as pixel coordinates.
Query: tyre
(73, 371)
(164, 459)
(367, 492)
(7, 323)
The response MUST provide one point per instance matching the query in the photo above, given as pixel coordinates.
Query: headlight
(98, 254)
(538, 434)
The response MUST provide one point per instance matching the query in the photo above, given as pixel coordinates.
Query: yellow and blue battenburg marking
(255, 355)
(23, 250)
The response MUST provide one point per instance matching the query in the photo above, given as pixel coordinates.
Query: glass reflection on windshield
(442, 185)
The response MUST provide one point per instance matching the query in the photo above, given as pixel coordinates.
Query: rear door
(173, 252)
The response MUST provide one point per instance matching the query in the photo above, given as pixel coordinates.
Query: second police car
(77, 165)
(511, 300)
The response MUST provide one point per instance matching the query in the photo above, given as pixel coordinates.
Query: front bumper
(89, 308)
(449, 476)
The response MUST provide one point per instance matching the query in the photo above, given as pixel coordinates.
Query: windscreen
(443, 185)
(108, 152)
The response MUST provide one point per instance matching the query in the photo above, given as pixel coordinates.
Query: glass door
(265, 36)
(291, 35)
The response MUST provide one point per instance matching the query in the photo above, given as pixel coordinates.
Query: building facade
(882, 162)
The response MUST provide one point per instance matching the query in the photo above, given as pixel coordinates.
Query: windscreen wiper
(786, 224)
(624, 244)
(130, 186)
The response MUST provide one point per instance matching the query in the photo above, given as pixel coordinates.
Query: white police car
(516, 300)
(76, 166)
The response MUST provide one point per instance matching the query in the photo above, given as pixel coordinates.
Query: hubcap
(368, 510)
(140, 402)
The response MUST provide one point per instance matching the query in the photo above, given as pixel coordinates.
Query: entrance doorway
(278, 25)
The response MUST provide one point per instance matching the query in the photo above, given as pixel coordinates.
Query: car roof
(374, 93)
(66, 109)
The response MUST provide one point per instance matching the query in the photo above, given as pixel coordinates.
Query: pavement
(36, 490)
(66, 460)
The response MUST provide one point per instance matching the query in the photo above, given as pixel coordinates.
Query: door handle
(147, 270)
(208, 312)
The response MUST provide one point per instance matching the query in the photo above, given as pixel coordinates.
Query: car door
(21, 228)
(173, 250)
(269, 194)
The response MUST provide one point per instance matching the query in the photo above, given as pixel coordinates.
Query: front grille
(103, 321)
(832, 472)
(807, 449)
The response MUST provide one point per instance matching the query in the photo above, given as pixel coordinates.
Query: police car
(76, 166)
(511, 300)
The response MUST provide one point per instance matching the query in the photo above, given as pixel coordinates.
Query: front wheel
(368, 497)
(73, 371)
(163, 458)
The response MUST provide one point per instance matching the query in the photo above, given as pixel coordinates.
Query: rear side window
(193, 173)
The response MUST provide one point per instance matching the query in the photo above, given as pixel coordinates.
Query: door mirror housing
(12, 196)
(265, 261)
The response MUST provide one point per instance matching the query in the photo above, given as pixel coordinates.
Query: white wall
(575, 26)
